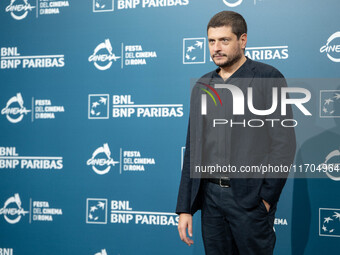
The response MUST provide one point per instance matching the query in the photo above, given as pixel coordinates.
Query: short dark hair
(229, 18)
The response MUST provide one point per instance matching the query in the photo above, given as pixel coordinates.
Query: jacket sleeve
(282, 143)
(184, 193)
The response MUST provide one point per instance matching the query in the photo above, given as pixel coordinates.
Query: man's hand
(184, 223)
(266, 204)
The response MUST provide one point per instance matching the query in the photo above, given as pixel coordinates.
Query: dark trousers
(229, 229)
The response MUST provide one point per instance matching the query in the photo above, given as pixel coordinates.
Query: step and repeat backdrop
(94, 103)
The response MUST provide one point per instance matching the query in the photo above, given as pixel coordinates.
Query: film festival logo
(131, 55)
(238, 105)
(96, 211)
(130, 160)
(39, 210)
(101, 160)
(232, 3)
(12, 209)
(41, 109)
(194, 50)
(330, 104)
(332, 47)
(102, 252)
(332, 165)
(19, 11)
(102, 56)
(329, 222)
(103, 6)
(235, 3)
(15, 109)
(98, 106)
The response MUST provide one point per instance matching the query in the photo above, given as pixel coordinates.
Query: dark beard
(230, 62)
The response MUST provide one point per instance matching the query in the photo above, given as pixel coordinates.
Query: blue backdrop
(94, 109)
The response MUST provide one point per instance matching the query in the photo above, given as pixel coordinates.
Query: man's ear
(243, 40)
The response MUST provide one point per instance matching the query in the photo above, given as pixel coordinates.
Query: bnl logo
(6, 251)
(103, 5)
(98, 106)
(330, 104)
(194, 50)
(239, 99)
(329, 222)
(96, 211)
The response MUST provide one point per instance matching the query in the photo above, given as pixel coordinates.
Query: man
(238, 211)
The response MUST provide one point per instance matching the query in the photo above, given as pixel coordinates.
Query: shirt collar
(238, 72)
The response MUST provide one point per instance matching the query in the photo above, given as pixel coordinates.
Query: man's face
(225, 49)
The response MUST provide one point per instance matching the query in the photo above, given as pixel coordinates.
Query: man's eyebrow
(220, 38)
(225, 37)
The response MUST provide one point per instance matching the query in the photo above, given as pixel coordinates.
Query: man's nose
(217, 47)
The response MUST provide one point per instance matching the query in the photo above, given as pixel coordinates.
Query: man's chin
(220, 63)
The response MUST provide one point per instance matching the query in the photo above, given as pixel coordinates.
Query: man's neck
(226, 72)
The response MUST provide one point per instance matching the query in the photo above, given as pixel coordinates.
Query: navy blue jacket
(248, 146)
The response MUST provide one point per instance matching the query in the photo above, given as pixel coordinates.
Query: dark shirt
(215, 139)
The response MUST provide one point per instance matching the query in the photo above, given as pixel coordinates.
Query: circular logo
(13, 214)
(19, 11)
(15, 114)
(102, 162)
(97, 58)
(332, 165)
(227, 3)
(330, 48)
